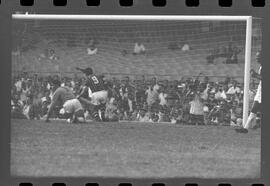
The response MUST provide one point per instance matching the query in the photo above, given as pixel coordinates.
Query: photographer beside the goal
(256, 107)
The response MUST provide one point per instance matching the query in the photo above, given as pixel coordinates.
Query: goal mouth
(66, 39)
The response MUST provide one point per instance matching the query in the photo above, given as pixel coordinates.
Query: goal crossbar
(131, 17)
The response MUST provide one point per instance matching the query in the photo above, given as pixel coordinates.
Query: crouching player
(94, 94)
(64, 97)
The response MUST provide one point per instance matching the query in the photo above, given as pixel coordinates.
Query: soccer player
(63, 96)
(256, 107)
(94, 94)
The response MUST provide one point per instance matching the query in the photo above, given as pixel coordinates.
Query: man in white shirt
(18, 84)
(139, 48)
(234, 89)
(196, 109)
(152, 93)
(220, 94)
(185, 47)
(256, 107)
(162, 97)
(92, 51)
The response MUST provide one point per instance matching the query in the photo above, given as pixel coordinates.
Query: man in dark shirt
(94, 94)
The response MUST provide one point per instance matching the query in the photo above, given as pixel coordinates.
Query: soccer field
(139, 150)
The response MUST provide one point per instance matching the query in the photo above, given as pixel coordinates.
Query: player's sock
(102, 110)
(95, 115)
(250, 121)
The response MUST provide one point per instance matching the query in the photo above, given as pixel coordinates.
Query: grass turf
(138, 150)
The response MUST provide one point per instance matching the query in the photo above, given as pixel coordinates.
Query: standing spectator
(162, 97)
(196, 110)
(152, 94)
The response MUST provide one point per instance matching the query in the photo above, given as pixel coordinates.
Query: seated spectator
(111, 111)
(174, 46)
(162, 97)
(18, 84)
(135, 113)
(185, 48)
(27, 109)
(220, 94)
(210, 58)
(164, 115)
(124, 52)
(206, 112)
(154, 117)
(17, 108)
(175, 115)
(46, 101)
(92, 50)
(48, 54)
(232, 55)
(52, 55)
(139, 48)
(35, 109)
(143, 116)
(233, 89)
(236, 114)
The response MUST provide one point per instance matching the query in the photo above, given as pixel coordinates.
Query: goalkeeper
(256, 107)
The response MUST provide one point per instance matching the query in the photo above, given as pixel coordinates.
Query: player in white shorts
(63, 96)
(256, 107)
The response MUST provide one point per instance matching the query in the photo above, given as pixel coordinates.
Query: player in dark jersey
(93, 94)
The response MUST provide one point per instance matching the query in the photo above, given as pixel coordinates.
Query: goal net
(167, 49)
(173, 48)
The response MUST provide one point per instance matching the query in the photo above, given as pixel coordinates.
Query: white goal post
(248, 38)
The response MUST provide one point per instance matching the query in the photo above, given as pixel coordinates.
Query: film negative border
(117, 181)
(155, 3)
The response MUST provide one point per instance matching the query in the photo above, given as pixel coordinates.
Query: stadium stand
(69, 40)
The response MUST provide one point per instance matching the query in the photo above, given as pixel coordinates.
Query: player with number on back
(94, 94)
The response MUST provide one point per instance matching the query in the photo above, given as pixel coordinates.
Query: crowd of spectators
(187, 101)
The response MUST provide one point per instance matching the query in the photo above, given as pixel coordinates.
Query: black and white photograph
(136, 96)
